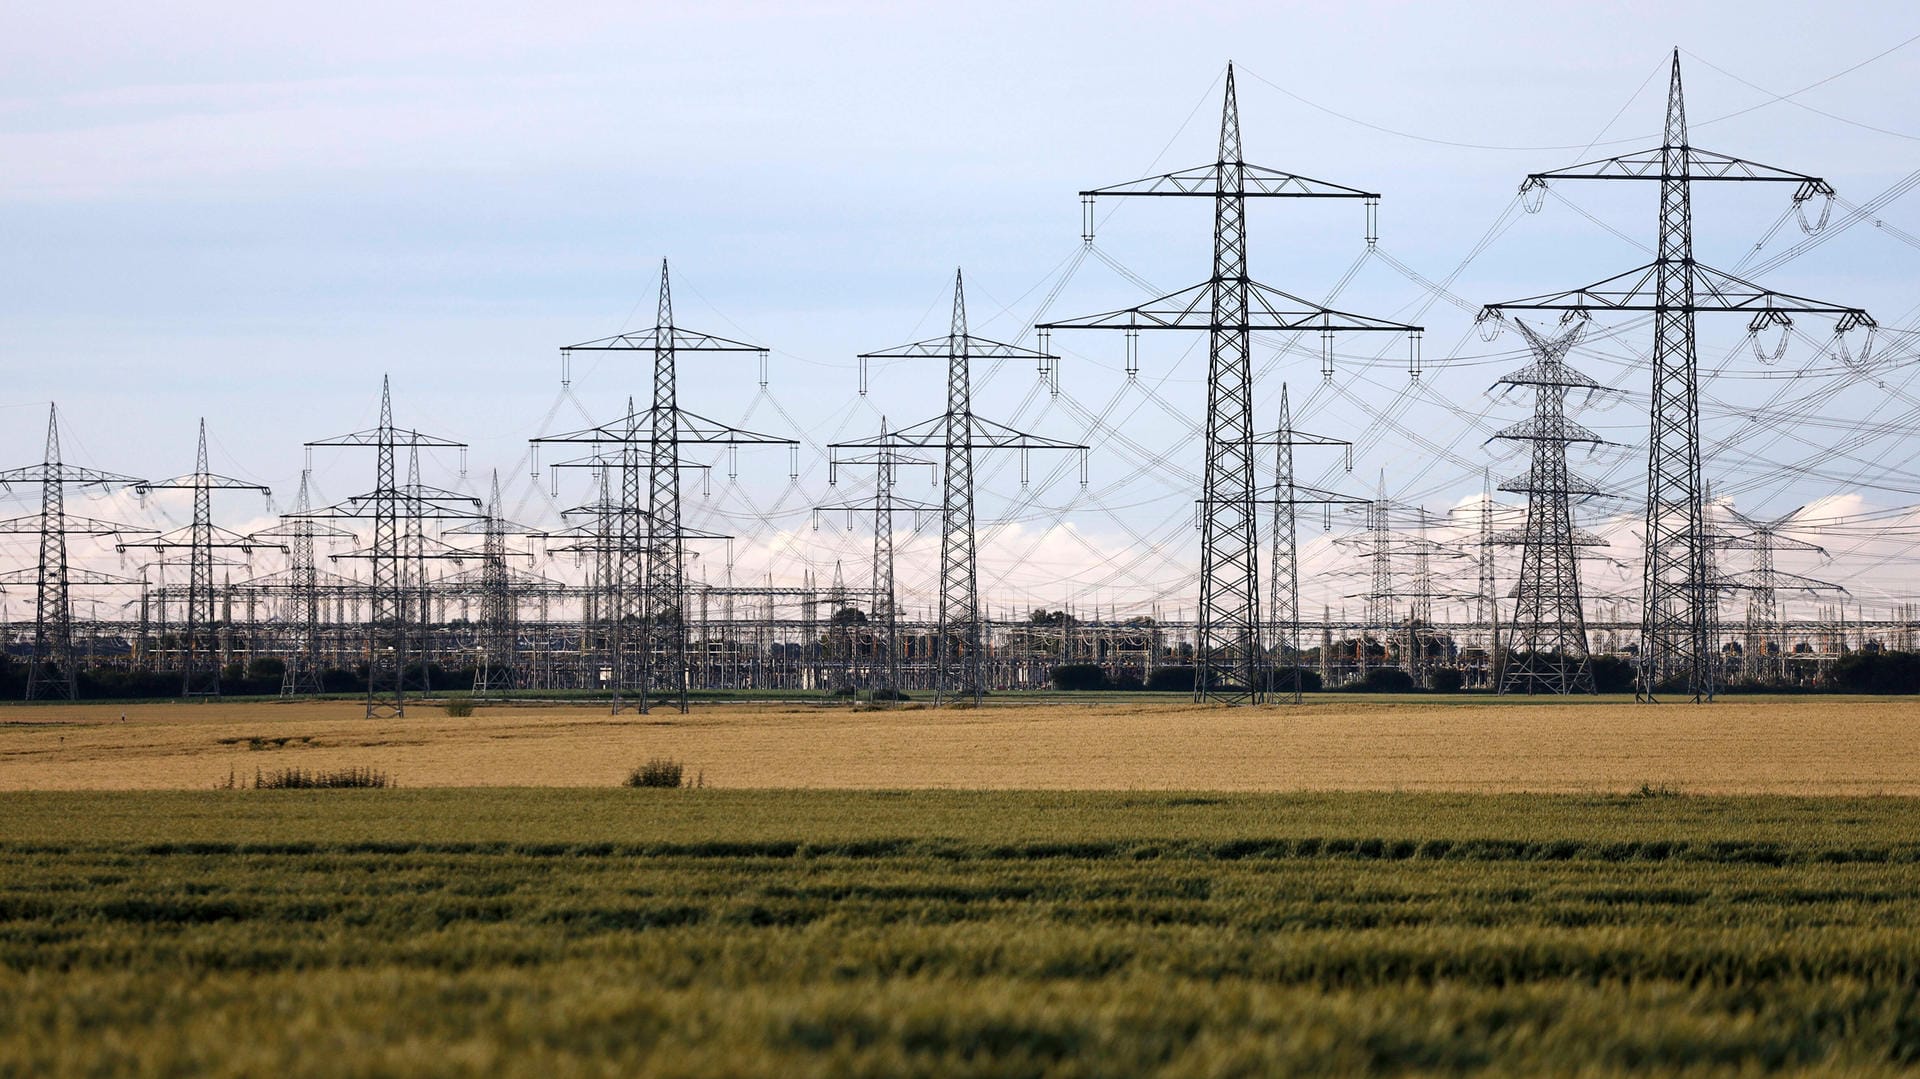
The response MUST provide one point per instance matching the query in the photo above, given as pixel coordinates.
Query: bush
(1171, 680)
(459, 706)
(1126, 680)
(1280, 680)
(1449, 680)
(1079, 676)
(1611, 674)
(1878, 672)
(658, 772)
(1385, 680)
(292, 779)
(884, 694)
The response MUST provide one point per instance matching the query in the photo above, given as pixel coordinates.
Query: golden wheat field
(1745, 745)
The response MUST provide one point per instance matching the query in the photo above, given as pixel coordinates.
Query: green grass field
(620, 932)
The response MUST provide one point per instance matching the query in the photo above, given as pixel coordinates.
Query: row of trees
(1875, 672)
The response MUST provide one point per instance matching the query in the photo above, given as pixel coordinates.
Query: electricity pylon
(51, 673)
(649, 563)
(388, 633)
(1288, 495)
(497, 667)
(302, 589)
(1676, 640)
(959, 651)
(1231, 307)
(1764, 657)
(1547, 650)
(885, 613)
(200, 662)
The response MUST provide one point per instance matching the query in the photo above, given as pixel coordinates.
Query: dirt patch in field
(1745, 745)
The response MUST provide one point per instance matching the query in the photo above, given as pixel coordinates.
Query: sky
(251, 214)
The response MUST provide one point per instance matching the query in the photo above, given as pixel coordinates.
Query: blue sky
(253, 213)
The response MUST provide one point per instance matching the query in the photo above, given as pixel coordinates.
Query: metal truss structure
(52, 672)
(1547, 647)
(958, 432)
(1231, 307)
(1677, 651)
(648, 548)
(199, 656)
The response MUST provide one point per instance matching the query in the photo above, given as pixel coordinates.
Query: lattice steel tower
(1677, 649)
(1231, 307)
(650, 559)
(388, 634)
(1284, 571)
(51, 673)
(885, 614)
(1547, 639)
(199, 656)
(959, 643)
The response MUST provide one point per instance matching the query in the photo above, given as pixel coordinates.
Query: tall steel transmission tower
(51, 673)
(497, 666)
(1231, 307)
(1764, 656)
(1677, 650)
(302, 590)
(200, 652)
(885, 608)
(391, 507)
(959, 643)
(649, 562)
(1547, 643)
(1284, 572)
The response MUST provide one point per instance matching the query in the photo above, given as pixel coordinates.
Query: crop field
(1789, 745)
(823, 933)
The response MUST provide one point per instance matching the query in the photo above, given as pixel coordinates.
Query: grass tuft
(289, 779)
(459, 706)
(658, 772)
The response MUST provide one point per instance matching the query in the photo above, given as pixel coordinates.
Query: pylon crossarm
(1297, 438)
(1559, 429)
(1651, 164)
(1574, 484)
(692, 427)
(389, 436)
(365, 506)
(1297, 494)
(217, 536)
(1714, 290)
(194, 482)
(982, 434)
(1203, 181)
(75, 576)
(64, 473)
(894, 502)
(71, 525)
(1268, 310)
(942, 348)
(1579, 537)
(675, 339)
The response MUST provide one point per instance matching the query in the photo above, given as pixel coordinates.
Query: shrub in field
(289, 779)
(1448, 680)
(1385, 680)
(884, 694)
(1171, 680)
(1611, 674)
(1281, 680)
(1878, 672)
(1079, 676)
(459, 706)
(658, 772)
